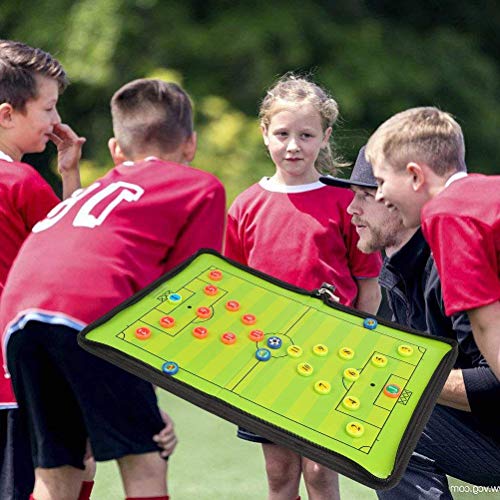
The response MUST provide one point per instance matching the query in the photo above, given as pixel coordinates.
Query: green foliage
(92, 21)
(391, 68)
(375, 57)
(230, 145)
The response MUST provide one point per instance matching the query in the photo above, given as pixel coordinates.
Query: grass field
(211, 463)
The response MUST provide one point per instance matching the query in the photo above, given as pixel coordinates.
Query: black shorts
(250, 436)
(16, 468)
(66, 395)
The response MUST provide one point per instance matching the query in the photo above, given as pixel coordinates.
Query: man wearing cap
(462, 437)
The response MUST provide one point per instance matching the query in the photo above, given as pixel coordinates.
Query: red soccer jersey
(103, 244)
(462, 226)
(302, 235)
(25, 198)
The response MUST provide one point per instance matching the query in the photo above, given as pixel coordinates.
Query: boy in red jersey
(92, 251)
(418, 159)
(30, 83)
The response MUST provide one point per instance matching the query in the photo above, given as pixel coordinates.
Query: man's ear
(116, 151)
(189, 148)
(263, 129)
(6, 112)
(417, 173)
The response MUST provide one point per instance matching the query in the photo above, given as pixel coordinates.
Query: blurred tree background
(376, 57)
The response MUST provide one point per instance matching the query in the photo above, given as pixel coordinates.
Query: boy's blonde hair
(151, 114)
(295, 89)
(19, 65)
(424, 134)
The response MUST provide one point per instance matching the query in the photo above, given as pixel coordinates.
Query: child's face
(396, 190)
(33, 127)
(294, 138)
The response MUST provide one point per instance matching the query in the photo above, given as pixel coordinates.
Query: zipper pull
(326, 293)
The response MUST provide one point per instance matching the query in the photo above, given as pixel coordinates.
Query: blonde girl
(293, 227)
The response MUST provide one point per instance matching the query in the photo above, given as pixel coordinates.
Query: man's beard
(379, 239)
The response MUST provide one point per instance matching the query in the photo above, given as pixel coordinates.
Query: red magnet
(167, 321)
(248, 319)
(203, 312)
(143, 333)
(256, 335)
(200, 332)
(228, 338)
(210, 290)
(215, 275)
(232, 305)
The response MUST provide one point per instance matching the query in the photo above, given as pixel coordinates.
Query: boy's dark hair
(19, 65)
(151, 114)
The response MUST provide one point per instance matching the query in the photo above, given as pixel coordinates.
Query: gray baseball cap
(361, 175)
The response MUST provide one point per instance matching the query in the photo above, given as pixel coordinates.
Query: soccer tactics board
(349, 391)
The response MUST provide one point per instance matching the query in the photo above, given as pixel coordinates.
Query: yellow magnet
(355, 429)
(294, 351)
(305, 369)
(379, 360)
(346, 353)
(322, 387)
(405, 350)
(351, 374)
(351, 403)
(320, 350)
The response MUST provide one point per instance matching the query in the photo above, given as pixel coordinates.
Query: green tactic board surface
(305, 374)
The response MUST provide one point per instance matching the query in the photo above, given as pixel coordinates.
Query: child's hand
(69, 148)
(166, 438)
